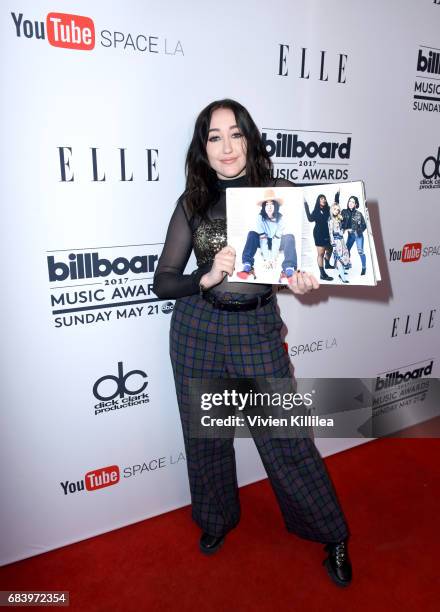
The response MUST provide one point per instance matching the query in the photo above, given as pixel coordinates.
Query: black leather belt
(252, 304)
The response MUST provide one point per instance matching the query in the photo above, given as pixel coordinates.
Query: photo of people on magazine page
(322, 229)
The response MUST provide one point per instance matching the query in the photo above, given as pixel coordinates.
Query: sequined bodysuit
(208, 239)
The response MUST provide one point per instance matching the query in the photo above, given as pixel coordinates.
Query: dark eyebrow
(232, 127)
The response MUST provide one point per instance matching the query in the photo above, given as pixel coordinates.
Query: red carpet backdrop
(98, 104)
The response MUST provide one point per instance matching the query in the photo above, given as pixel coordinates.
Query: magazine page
(336, 241)
(369, 233)
(265, 226)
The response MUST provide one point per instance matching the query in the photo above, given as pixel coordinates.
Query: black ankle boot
(363, 271)
(323, 275)
(328, 265)
(210, 544)
(338, 563)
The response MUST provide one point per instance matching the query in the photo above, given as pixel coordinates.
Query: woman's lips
(229, 160)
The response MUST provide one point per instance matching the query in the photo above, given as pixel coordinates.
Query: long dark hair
(276, 210)
(356, 201)
(202, 189)
(325, 209)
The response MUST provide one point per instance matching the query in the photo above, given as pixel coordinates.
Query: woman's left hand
(302, 282)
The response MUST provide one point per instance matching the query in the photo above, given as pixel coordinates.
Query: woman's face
(226, 146)
(351, 204)
(270, 208)
(322, 201)
(335, 210)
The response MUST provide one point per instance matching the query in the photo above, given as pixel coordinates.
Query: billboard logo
(426, 86)
(428, 62)
(289, 145)
(90, 265)
(396, 378)
(306, 156)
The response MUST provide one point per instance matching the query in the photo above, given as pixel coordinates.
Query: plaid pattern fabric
(209, 343)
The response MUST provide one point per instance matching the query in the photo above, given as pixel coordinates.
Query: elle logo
(70, 31)
(411, 252)
(67, 175)
(103, 477)
(284, 61)
(413, 323)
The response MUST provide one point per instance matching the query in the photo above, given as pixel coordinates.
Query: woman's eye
(237, 135)
(213, 138)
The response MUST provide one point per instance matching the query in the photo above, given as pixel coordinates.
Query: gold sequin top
(208, 239)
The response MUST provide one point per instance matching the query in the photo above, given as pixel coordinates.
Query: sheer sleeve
(169, 281)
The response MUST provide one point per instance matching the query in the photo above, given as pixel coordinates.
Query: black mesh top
(206, 237)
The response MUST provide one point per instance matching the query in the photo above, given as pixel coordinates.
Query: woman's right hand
(224, 263)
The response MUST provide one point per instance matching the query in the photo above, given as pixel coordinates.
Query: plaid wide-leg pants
(206, 342)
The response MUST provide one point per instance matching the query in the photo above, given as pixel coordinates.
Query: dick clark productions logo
(115, 392)
(431, 172)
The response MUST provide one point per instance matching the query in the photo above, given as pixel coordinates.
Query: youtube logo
(70, 31)
(60, 30)
(411, 252)
(103, 477)
(94, 480)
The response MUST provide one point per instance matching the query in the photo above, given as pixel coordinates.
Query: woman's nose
(227, 145)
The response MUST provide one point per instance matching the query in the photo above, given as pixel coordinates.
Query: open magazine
(321, 229)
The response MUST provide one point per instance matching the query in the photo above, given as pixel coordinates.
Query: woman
(269, 235)
(233, 329)
(320, 217)
(336, 232)
(353, 221)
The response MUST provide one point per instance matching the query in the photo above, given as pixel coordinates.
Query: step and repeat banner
(98, 102)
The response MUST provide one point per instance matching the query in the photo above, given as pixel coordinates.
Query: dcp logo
(121, 384)
(431, 166)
